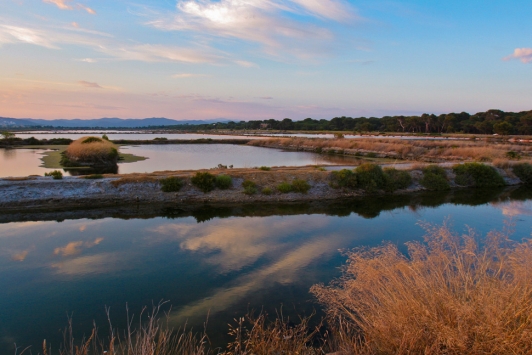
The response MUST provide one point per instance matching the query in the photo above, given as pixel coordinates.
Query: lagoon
(216, 261)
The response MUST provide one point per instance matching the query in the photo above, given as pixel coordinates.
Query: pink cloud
(88, 84)
(63, 5)
(523, 54)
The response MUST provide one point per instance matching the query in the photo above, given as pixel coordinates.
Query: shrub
(524, 172)
(91, 140)
(344, 178)
(267, 191)
(513, 155)
(300, 186)
(370, 177)
(478, 175)
(93, 176)
(250, 187)
(171, 184)
(204, 181)
(450, 295)
(434, 178)
(396, 179)
(265, 168)
(90, 151)
(105, 137)
(56, 174)
(284, 187)
(223, 182)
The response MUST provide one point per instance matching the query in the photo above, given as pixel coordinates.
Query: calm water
(130, 135)
(222, 261)
(24, 162)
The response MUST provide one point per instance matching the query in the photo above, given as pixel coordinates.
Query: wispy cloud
(187, 75)
(16, 34)
(65, 5)
(246, 64)
(277, 25)
(88, 84)
(522, 54)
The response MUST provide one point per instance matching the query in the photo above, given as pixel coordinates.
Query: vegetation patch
(267, 191)
(171, 184)
(204, 181)
(434, 178)
(476, 174)
(93, 176)
(300, 186)
(223, 182)
(370, 177)
(284, 187)
(344, 178)
(90, 151)
(250, 187)
(265, 168)
(396, 179)
(56, 174)
(524, 172)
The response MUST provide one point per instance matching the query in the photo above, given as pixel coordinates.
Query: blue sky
(260, 59)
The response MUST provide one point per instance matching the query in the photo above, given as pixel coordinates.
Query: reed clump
(91, 151)
(450, 295)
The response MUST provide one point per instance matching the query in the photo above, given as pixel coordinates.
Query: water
(131, 135)
(220, 261)
(24, 162)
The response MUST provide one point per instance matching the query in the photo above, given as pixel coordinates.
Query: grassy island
(90, 151)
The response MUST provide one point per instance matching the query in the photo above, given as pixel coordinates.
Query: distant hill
(6, 122)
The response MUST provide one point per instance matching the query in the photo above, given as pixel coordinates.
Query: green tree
(7, 135)
(503, 128)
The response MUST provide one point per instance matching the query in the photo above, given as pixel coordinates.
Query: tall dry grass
(452, 295)
(92, 150)
(481, 150)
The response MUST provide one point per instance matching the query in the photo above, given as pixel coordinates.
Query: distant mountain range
(6, 122)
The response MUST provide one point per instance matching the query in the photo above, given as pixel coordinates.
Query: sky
(262, 59)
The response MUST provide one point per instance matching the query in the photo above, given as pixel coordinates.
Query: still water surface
(217, 261)
(24, 162)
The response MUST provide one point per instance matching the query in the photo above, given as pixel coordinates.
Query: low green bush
(284, 187)
(344, 178)
(91, 140)
(171, 184)
(223, 182)
(93, 176)
(370, 177)
(396, 179)
(265, 168)
(56, 174)
(248, 183)
(267, 191)
(434, 178)
(476, 174)
(524, 172)
(204, 181)
(300, 186)
(250, 187)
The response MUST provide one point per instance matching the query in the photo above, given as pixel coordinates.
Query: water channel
(218, 262)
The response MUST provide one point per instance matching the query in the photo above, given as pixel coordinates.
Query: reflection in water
(221, 261)
(9, 154)
(21, 162)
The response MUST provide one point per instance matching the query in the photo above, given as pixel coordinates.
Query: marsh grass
(284, 187)
(300, 186)
(223, 182)
(250, 187)
(450, 295)
(90, 150)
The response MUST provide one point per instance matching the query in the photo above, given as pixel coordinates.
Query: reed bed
(450, 295)
(92, 150)
(481, 150)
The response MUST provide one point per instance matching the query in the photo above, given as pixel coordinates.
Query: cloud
(88, 84)
(59, 3)
(186, 75)
(246, 64)
(14, 34)
(523, 54)
(278, 25)
(265, 98)
(74, 248)
(63, 5)
(20, 256)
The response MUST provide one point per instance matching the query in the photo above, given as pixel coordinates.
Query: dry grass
(452, 295)
(95, 150)
(479, 150)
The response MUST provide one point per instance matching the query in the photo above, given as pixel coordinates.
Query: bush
(91, 140)
(223, 182)
(300, 186)
(524, 172)
(513, 155)
(476, 174)
(204, 181)
(267, 191)
(171, 184)
(396, 179)
(250, 187)
(434, 178)
(92, 151)
(265, 168)
(284, 187)
(93, 176)
(344, 178)
(370, 177)
(105, 137)
(56, 174)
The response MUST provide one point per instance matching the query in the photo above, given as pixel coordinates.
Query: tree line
(489, 122)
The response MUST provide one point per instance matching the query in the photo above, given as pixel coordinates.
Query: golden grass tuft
(451, 295)
(92, 150)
